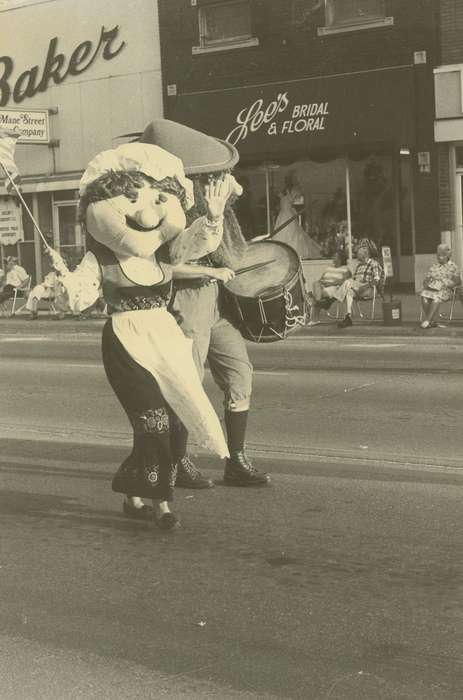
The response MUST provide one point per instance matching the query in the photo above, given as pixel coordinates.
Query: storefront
(448, 131)
(80, 77)
(331, 156)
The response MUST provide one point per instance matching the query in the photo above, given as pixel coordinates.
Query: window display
(303, 203)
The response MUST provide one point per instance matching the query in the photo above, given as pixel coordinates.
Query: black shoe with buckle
(143, 513)
(240, 472)
(189, 476)
(346, 322)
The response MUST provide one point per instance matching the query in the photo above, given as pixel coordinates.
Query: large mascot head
(133, 196)
(204, 158)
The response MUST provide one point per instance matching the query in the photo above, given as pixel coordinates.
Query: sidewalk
(328, 327)
(410, 326)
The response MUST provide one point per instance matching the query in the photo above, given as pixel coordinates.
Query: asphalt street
(385, 400)
(342, 580)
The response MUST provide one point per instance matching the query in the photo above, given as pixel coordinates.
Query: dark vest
(123, 294)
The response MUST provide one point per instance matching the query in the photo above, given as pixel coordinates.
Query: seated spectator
(438, 284)
(15, 277)
(46, 290)
(323, 290)
(368, 275)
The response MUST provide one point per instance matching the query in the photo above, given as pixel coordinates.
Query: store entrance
(67, 232)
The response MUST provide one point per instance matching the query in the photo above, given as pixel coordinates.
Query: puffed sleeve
(199, 239)
(81, 288)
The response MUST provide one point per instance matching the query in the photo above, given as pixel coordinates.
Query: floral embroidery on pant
(152, 474)
(173, 476)
(153, 420)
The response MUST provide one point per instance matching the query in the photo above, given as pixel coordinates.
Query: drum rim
(273, 295)
(281, 287)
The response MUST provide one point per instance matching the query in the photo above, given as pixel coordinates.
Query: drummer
(198, 306)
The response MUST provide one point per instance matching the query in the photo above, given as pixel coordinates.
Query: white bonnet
(146, 158)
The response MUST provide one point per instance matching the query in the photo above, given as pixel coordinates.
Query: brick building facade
(335, 96)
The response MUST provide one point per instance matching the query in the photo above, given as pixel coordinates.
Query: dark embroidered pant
(149, 471)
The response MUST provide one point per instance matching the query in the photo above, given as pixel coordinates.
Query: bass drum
(267, 302)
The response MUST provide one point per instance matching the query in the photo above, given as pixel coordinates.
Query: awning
(48, 183)
(307, 114)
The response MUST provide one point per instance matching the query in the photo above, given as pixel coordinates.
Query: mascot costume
(133, 201)
(199, 302)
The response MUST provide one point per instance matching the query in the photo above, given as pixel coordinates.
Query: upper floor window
(348, 15)
(353, 11)
(225, 25)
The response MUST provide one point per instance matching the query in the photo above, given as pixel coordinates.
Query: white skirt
(154, 340)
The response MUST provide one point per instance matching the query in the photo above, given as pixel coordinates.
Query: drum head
(282, 265)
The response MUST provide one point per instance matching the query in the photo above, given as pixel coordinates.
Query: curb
(326, 329)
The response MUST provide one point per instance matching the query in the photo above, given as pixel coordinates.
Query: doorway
(67, 232)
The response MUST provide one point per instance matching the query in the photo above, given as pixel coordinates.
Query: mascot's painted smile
(133, 223)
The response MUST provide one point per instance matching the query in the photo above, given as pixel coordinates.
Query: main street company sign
(32, 124)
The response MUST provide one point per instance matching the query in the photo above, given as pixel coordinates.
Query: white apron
(154, 340)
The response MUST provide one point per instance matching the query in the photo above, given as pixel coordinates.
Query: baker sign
(301, 117)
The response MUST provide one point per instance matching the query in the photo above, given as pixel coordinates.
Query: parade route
(330, 399)
(177, 178)
(337, 582)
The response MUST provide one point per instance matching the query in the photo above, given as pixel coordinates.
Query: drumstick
(254, 267)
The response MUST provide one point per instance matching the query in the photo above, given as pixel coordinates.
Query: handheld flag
(8, 139)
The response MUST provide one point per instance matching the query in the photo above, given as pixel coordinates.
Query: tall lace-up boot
(189, 476)
(239, 471)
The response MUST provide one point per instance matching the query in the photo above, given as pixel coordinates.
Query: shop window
(68, 236)
(28, 226)
(407, 233)
(44, 201)
(304, 203)
(459, 157)
(66, 195)
(347, 15)
(225, 25)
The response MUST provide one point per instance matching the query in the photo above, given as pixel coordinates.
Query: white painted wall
(110, 98)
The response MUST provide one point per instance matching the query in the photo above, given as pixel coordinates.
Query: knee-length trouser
(218, 341)
(150, 470)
